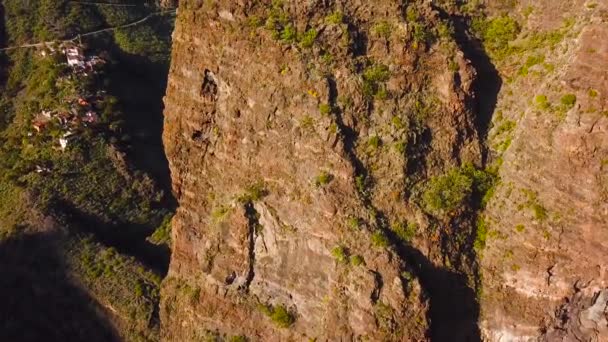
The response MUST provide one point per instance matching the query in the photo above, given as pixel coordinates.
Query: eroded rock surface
(292, 155)
(544, 269)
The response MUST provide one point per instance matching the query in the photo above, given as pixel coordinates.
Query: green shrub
(354, 222)
(289, 34)
(374, 78)
(307, 40)
(340, 254)
(568, 100)
(481, 234)
(219, 214)
(497, 33)
(593, 93)
(540, 213)
(238, 339)
(139, 289)
(445, 30)
(327, 58)
(542, 102)
(336, 18)
(323, 178)
(162, 234)
(254, 21)
(361, 184)
(374, 142)
(278, 314)
(383, 29)
(398, 122)
(401, 147)
(307, 122)
(448, 192)
(279, 24)
(254, 192)
(530, 62)
(520, 228)
(356, 260)
(506, 127)
(379, 239)
(376, 73)
(405, 231)
(325, 109)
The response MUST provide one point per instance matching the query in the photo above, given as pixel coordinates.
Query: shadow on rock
(454, 309)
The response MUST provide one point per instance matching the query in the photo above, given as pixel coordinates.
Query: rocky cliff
(298, 134)
(351, 170)
(544, 269)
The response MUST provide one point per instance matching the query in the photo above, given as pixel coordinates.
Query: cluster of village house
(82, 108)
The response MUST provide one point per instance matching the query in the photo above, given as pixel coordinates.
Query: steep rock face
(291, 155)
(544, 269)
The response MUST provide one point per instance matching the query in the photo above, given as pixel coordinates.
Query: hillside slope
(81, 173)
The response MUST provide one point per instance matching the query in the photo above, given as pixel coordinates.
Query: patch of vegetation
(340, 253)
(239, 338)
(109, 274)
(323, 179)
(218, 214)
(449, 192)
(385, 316)
(401, 147)
(379, 239)
(530, 62)
(335, 18)
(96, 188)
(325, 109)
(383, 29)
(255, 22)
(497, 33)
(374, 142)
(505, 144)
(254, 193)
(420, 32)
(279, 315)
(289, 34)
(481, 234)
(279, 23)
(539, 212)
(507, 126)
(162, 234)
(374, 78)
(445, 31)
(593, 93)
(307, 39)
(357, 260)
(568, 101)
(307, 122)
(354, 222)
(405, 231)
(520, 228)
(361, 184)
(542, 102)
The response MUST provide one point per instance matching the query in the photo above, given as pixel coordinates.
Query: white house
(65, 139)
(75, 57)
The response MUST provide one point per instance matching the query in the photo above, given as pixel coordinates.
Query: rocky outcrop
(298, 135)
